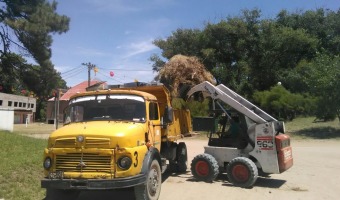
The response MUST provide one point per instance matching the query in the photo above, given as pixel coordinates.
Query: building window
(20, 104)
(0, 102)
(10, 103)
(15, 104)
(24, 105)
(32, 105)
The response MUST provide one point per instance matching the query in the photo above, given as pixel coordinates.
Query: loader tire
(204, 167)
(242, 172)
(152, 187)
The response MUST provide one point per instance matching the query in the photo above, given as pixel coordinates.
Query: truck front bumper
(94, 184)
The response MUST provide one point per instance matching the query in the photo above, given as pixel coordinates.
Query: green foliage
(283, 104)
(320, 77)
(33, 23)
(321, 23)
(248, 53)
(196, 108)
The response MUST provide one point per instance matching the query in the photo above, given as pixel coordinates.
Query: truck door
(154, 125)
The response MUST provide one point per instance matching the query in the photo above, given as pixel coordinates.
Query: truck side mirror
(168, 115)
(66, 116)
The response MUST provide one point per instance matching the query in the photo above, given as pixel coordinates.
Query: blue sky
(117, 35)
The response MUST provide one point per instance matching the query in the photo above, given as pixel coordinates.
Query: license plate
(56, 175)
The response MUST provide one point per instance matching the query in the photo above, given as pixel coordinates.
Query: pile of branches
(183, 72)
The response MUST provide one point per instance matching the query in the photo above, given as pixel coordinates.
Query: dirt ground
(315, 175)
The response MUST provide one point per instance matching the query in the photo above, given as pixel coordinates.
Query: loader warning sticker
(265, 142)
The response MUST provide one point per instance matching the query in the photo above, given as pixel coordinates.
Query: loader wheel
(204, 167)
(57, 194)
(242, 172)
(152, 187)
(181, 157)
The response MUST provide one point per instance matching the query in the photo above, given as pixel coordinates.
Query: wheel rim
(202, 168)
(153, 182)
(240, 173)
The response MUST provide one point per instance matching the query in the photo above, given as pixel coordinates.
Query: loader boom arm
(233, 99)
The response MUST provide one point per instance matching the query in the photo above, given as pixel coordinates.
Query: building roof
(81, 87)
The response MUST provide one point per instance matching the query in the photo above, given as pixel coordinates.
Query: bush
(283, 104)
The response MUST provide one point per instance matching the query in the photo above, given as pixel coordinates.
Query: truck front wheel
(152, 187)
(57, 194)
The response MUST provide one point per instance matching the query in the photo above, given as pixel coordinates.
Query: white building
(24, 107)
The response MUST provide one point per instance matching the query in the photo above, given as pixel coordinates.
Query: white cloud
(139, 48)
(127, 32)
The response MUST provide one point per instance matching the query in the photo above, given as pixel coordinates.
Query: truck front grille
(65, 142)
(90, 142)
(84, 162)
(97, 142)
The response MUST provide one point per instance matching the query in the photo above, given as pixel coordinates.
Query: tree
(321, 23)
(324, 83)
(33, 23)
(246, 53)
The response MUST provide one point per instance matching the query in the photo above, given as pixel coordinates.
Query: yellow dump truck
(121, 137)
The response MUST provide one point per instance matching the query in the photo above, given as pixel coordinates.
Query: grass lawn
(20, 167)
(301, 128)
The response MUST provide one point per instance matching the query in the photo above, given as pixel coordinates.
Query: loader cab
(232, 131)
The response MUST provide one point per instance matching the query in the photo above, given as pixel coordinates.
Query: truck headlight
(47, 163)
(124, 162)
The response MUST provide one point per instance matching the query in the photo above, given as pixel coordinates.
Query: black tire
(242, 172)
(204, 167)
(152, 187)
(182, 157)
(59, 194)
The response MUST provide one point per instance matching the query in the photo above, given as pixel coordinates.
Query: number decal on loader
(136, 161)
(265, 143)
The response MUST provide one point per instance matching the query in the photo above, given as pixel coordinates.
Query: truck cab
(115, 138)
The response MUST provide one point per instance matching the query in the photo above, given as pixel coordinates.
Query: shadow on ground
(319, 132)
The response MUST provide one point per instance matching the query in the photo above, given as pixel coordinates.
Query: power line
(71, 70)
(116, 69)
(72, 74)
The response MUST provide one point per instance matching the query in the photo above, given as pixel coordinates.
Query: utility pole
(90, 66)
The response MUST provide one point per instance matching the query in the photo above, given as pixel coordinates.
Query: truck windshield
(106, 107)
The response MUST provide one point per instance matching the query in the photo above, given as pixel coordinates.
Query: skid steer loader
(247, 142)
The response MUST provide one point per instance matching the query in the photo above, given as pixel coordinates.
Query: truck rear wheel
(57, 194)
(152, 187)
(242, 172)
(204, 167)
(182, 157)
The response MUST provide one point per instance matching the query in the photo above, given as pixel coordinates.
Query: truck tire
(152, 187)
(182, 157)
(242, 172)
(204, 167)
(57, 194)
